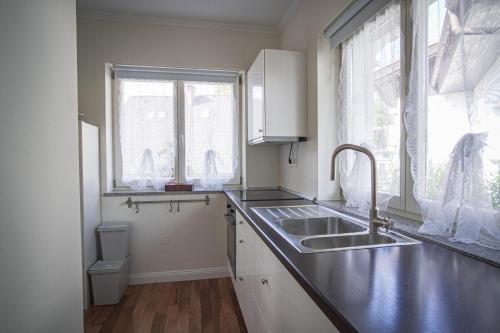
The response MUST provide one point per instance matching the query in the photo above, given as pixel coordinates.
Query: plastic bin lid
(109, 227)
(105, 267)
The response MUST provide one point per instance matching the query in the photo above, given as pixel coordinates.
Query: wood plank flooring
(181, 307)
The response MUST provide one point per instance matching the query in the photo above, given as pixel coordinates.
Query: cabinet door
(268, 289)
(256, 117)
(245, 273)
(285, 306)
(285, 97)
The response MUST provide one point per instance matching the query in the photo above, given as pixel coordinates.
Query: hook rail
(135, 203)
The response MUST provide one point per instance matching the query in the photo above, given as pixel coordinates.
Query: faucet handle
(388, 223)
(385, 222)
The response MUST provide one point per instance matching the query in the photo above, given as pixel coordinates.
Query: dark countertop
(410, 227)
(415, 288)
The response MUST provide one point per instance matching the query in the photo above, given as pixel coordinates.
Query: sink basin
(354, 241)
(318, 226)
(348, 241)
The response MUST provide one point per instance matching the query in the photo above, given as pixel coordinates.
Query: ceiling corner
(288, 15)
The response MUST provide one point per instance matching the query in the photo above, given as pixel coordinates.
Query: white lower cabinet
(270, 298)
(245, 275)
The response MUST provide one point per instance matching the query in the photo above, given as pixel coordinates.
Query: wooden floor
(186, 306)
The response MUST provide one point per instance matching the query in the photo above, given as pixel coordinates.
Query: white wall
(304, 33)
(173, 245)
(40, 244)
(105, 41)
(328, 64)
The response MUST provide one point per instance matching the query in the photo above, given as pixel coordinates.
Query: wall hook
(171, 207)
(178, 206)
(137, 208)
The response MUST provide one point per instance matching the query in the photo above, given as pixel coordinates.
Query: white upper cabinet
(277, 97)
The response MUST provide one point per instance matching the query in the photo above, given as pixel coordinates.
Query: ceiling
(266, 14)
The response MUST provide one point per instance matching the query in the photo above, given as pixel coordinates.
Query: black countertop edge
(408, 227)
(328, 309)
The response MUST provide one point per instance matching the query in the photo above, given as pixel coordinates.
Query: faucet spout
(375, 219)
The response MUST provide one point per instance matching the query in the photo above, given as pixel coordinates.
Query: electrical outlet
(164, 240)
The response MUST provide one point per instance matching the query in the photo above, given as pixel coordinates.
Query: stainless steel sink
(321, 243)
(318, 226)
(312, 228)
(352, 242)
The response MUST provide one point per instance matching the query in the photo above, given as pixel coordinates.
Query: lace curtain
(211, 133)
(452, 118)
(369, 116)
(146, 116)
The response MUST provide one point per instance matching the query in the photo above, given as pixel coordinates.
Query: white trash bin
(115, 240)
(109, 281)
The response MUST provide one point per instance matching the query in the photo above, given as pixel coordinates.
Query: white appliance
(90, 200)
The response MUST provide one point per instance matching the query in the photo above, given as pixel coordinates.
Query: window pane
(463, 92)
(372, 94)
(147, 129)
(211, 130)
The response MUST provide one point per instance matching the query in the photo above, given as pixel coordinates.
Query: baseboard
(180, 275)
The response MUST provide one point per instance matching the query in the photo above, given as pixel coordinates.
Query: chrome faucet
(375, 220)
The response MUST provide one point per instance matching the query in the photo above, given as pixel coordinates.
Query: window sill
(409, 227)
(125, 191)
(130, 193)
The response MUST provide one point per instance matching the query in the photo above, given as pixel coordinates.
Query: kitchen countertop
(409, 227)
(414, 288)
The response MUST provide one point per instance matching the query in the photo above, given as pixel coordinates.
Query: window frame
(179, 125)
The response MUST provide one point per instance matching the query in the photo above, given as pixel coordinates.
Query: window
(210, 127)
(147, 129)
(370, 97)
(451, 110)
(453, 119)
(175, 126)
(469, 96)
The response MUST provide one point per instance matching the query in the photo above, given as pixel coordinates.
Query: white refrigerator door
(90, 200)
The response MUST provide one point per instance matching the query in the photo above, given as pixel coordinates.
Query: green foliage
(435, 176)
(495, 190)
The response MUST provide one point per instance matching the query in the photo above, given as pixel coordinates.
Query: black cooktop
(264, 195)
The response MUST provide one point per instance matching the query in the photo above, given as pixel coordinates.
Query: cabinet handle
(265, 281)
(260, 130)
(241, 222)
(241, 241)
(241, 279)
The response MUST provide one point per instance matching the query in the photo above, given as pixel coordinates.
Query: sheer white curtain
(147, 129)
(452, 118)
(370, 108)
(211, 133)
